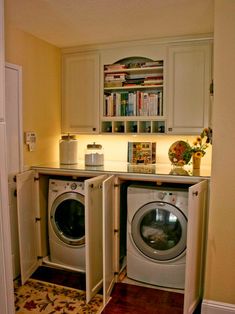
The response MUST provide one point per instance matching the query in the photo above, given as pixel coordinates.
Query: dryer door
(159, 231)
(68, 218)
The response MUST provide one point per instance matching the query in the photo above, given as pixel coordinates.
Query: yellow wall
(41, 104)
(41, 71)
(115, 146)
(220, 270)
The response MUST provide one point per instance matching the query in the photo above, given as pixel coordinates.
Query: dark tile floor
(126, 298)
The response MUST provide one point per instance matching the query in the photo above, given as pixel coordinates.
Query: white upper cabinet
(80, 93)
(188, 87)
(89, 104)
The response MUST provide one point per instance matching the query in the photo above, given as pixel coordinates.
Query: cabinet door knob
(93, 129)
(170, 129)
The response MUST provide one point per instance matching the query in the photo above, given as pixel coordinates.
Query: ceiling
(67, 23)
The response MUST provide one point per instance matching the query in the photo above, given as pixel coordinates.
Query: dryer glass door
(68, 218)
(159, 231)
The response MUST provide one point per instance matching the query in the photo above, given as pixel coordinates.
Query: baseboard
(214, 307)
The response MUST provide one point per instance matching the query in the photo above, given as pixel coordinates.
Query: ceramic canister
(68, 150)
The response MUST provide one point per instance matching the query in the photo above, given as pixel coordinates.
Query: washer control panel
(60, 185)
(168, 197)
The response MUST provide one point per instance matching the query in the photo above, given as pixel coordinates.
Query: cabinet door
(94, 235)
(188, 97)
(2, 63)
(108, 238)
(197, 207)
(27, 224)
(80, 93)
(6, 278)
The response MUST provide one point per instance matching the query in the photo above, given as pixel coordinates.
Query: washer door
(159, 231)
(68, 218)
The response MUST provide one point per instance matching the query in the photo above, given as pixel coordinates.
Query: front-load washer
(66, 224)
(156, 235)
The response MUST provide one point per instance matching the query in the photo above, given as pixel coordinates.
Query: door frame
(18, 69)
(6, 276)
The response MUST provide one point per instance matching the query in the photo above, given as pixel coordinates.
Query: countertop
(125, 169)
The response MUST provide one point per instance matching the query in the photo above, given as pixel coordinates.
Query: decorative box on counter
(141, 153)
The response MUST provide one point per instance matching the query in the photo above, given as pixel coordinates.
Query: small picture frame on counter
(141, 153)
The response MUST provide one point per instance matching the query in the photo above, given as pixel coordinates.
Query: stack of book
(149, 64)
(153, 80)
(114, 67)
(114, 79)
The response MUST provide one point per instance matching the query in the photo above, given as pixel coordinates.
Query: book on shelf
(152, 64)
(115, 76)
(136, 103)
(153, 80)
(113, 84)
(113, 67)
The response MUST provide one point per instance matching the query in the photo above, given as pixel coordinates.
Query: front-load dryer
(66, 224)
(156, 235)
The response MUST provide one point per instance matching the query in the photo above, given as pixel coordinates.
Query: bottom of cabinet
(133, 127)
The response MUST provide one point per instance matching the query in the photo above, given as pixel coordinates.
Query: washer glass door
(159, 231)
(68, 218)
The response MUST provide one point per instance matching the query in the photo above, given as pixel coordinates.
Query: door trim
(18, 68)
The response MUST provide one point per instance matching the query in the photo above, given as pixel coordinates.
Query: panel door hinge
(212, 88)
(116, 185)
(39, 257)
(116, 230)
(37, 219)
(36, 178)
(116, 273)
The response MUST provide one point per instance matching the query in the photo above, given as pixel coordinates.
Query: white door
(94, 235)
(28, 226)
(13, 111)
(195, 246)
(80, 93)
(189, 75)
(108, 238)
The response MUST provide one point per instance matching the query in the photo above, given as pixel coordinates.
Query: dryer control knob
(73, 186)
(161, 195)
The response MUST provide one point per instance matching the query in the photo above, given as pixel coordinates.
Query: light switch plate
(30, 140)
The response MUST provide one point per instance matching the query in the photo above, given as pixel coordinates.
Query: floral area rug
(41, 297)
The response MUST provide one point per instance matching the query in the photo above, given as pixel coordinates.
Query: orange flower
(199, 139)
(198, 154)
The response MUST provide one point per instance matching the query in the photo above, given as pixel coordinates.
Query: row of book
(133, 104)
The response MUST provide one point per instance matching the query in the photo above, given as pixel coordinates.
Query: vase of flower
(197, 160)
(199, 147)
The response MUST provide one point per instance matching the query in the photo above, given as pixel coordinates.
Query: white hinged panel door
(108, 238)
(188, 96)
(94, 235)
(27, 225)
(197, 207)
(80, 93)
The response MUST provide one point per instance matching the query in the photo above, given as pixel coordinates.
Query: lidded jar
(94, 155)
(68, 150)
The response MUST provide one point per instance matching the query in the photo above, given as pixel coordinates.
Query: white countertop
(124, 168)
